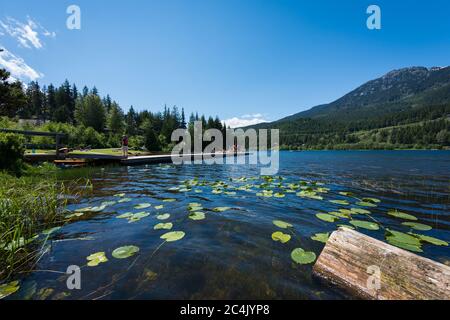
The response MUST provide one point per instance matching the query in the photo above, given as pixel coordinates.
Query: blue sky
(244, 59)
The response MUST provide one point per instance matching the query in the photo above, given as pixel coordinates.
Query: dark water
(230, 254)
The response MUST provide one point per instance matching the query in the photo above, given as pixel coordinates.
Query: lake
(226, 214)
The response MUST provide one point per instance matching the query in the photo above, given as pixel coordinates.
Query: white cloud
(245, 120)
(27, 34)
(18, 67)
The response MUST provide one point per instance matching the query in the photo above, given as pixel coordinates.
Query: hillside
(417, 96)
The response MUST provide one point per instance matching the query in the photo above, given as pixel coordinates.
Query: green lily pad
(96, 258)
(346, 226)
(119, 195)
(125, 215)
(169, 200)
(346, 193)
(340, 214)
(7, 289)
(166, 226)
(280, 236)
(279, 195)
(432, 240)
(417, 226)
(365, 224)
(142, 205)
(341, 202)
(197, 215)
(359, 211)
(163, 216)
(173, 236)
(326, 217)
(125, 252)
(321, 237)
(282, 224)
(301, 256)
(124, 200)
(401, 215)
(108, 203)
(159, 207)
(230, 193)
(403, 240)
(372, 200)
(221, 209)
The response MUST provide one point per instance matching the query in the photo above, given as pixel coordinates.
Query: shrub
(11, 152)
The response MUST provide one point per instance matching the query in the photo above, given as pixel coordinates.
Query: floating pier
(372, 269)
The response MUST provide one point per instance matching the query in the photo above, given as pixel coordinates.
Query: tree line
(92, 120)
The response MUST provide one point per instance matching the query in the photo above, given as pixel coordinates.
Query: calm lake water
(231, 254)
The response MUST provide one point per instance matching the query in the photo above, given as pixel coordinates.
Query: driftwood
(372, 269)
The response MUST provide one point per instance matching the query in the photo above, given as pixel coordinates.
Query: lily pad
(341, 202)
(372, 200)
(197, 215)
(7, 289)
(346, 226)
(279, 195)
(359, 211)
(173, 236)
(125, 215)
(321, 237)
(432, 240)
(417, 226)
(221, 209)
(159, 207)
(108, 203)
(346, 193)
(403, 240)
(124, 200)
(163, 216)
(96, 258)
(169, 200)
(326, 217)
(282, 224)
(401, 215)
(142, 205)
(280, 236)
(301, 256)
(119, 195)
(125, 252)
(365, 224)
(366, 204)
(166, 226)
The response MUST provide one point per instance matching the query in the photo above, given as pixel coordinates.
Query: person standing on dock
(125, 146)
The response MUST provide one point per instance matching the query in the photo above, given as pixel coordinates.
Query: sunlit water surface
(230, 254)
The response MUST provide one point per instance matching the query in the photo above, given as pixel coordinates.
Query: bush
(11, 152)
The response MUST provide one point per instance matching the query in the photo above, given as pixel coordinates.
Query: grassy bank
(29, 206)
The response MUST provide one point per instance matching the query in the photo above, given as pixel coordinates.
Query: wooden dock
(138, 160)
(372, 269)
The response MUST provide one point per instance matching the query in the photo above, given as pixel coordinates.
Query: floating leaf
(326, 217)
(125, 215)
(432, 240)
(221, 209)
(119, 195)
(403, 240)
(173, 236)
(372, 200)
(142, 205)
(342, 202)
(280, 236)
(346, 194)
(340, 214)
(7, 289)
(159, 207)
(230, 193)
(163, 216)
(108, 203)
(161, 225)
(282, 224)
(125, 252)
(359, 211)
(197, 215)
(346, 226)
(301, 256)
(279, 195)
(321, 237)
(417, 226)
(401, 215)
(124, 200)
(365, 224)
(169, 200)
(96, 258)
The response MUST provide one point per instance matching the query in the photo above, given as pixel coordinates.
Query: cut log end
(372, 269)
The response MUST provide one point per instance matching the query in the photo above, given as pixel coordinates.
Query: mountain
(402, 97)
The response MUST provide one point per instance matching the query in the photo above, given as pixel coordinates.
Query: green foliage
(12, 96)
(11, 152)
(90, 112)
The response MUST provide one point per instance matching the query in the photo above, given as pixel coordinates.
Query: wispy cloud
(28, 34)
(18, 67)
(245, 120)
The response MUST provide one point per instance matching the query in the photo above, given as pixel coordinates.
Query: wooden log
(372, 269)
